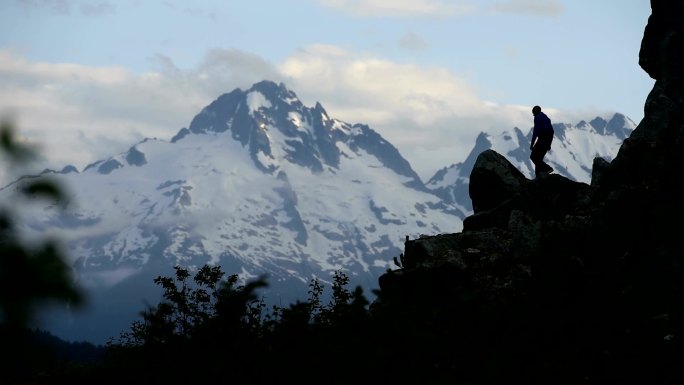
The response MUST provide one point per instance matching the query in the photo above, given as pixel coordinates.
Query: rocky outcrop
(498, 190)
(580, 283)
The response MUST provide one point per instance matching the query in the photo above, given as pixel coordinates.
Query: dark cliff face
(554, 281)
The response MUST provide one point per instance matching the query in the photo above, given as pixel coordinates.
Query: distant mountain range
(263, 185)
(572, 154)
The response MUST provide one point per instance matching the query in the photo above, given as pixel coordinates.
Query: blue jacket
(542, 129)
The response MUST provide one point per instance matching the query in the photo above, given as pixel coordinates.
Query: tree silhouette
(214, 328)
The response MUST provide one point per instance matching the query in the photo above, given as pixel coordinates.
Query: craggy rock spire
(554, 281)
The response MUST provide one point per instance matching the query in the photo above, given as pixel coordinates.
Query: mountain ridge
(258, 183)
(572, 153)
(296, 195)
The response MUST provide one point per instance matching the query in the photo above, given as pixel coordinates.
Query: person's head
(536, 110)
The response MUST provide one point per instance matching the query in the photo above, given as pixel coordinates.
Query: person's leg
(547, 148)
(537, 158)
(545, 166)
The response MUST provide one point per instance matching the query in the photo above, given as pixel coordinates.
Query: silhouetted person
(542, 136)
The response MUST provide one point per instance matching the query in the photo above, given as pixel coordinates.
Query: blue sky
(87, 79)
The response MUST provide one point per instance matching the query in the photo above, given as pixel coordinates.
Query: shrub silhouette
(208, 328)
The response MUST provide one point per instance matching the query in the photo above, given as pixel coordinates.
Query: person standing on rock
(542, 136)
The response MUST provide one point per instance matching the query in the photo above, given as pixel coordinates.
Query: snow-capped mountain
(259, 184)
(263, 185)
(572, 154)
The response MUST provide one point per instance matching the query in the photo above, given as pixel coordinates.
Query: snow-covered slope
(261, 181)
(259, 184)
(572, 154)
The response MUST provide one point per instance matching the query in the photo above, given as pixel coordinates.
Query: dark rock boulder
(493, 181)
(497, 189)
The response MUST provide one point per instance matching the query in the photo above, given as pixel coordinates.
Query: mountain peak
(272, 89)
(258, 183)
(618, 125)
(271, 121)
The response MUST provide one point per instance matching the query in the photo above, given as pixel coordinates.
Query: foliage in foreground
(31, 273)
(208, 328)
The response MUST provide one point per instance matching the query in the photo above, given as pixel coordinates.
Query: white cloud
(81, 114)
(400, 8)
(444, 8)
(552, 8)
(22, 69)
(421, 110)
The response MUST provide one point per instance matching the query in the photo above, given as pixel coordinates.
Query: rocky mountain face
(259, 184)
(560, 281)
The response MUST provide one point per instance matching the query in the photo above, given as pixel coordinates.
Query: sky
(83, 80)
